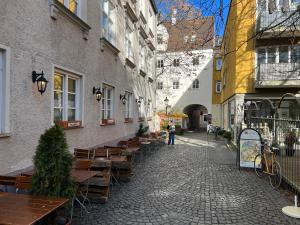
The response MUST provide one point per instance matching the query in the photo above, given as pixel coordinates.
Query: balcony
(278, 75)
(278, 24)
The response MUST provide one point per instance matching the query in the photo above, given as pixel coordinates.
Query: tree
(53, 164)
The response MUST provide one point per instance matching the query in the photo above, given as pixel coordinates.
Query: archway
(197, 116)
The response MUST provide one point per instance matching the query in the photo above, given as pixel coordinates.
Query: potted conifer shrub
(53, 164)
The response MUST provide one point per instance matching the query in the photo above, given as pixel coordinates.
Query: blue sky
(212, 8)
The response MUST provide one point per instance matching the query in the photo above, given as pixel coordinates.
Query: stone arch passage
(197, 116)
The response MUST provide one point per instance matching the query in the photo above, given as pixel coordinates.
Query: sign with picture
(250, 144)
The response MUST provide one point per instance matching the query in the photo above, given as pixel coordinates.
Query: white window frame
(66, 75)
(160, 63)
(128, 105)
(78, 6)
(160, 39)
(104, 100)
(176, 85)
(277, 47)
(196, 84)
(218, 87)
(160, 85)
(219, 64)
(4, 90)
(142, 59)
(128, 40)
(108, 28)
(176, 62)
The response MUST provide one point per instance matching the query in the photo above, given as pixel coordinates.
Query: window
(72, 5)
(128, 40)
(195, 61)
(176, 62)
(160, 85)
(67, 97)
(186, 38)
(3, 90)
(128, 105)
(271, 55)
(219, 64)
(218, 87)
(142, 59)
(160, 39)
(193, 38)
(195, 84)
(175, 84)
(160, 63)
(108, 21)
(261, 56)
(107, 102)
(283, 54)
(295, 53)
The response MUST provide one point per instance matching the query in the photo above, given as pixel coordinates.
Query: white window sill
(5, 135)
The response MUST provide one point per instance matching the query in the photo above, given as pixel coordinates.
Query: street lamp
(166, 104)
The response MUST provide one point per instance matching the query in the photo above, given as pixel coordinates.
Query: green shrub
(221, 132)
(142, 130)
(227, 135)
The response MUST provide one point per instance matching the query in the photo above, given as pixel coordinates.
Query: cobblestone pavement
(194, 182)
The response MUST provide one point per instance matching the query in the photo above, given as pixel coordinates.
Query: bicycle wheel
(275, 177)
(258, 165)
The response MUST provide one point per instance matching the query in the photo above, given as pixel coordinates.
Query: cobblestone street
(194, 182)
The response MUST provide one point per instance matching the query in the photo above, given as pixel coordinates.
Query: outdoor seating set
(94, 171)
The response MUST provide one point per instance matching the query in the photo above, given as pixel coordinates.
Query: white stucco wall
(37, 42)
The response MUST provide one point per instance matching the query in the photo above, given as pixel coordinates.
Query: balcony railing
(278, 22)
(278, 74)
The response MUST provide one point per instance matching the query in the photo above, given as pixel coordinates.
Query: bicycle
(215, 130)
(266, 164)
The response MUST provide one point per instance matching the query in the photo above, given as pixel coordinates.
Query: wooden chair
(80, 153)
(101, 152)
(82, 164)
(23, 183)
(7, 181)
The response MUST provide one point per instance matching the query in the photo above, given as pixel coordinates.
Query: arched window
(196, 84)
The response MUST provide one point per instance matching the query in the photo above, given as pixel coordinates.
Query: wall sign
(250, 144)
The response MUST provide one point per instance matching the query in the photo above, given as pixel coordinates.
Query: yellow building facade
(255, 56)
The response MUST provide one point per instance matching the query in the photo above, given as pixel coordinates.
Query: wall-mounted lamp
(98, 93)
(40, 80)
(139, 101)
(123, 99)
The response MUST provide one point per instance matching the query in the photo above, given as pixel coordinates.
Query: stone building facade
(184, 69)
(79, 45)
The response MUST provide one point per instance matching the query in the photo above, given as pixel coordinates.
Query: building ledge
(142, 73)
(107, 122)
(151, 33)
(143, 32)
(130, 63)
(109, 45)
(142, 17)
(130, 12)
(5, 135)
(151, 45)
(292, 83)
(57, 7)
(150, 79)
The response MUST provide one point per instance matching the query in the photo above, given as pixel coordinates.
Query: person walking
(171, 130)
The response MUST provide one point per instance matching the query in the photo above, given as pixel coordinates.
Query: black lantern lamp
(166, 101)
(98, 93)
(139, 101)
(123, 99)
(40, 80)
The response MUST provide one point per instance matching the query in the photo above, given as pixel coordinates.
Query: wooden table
(79, 176)
(19, 209)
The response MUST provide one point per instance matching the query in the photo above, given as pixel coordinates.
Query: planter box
(149, 118)
(107, 122)
(141, 119)
(128, 120)
(69, 124)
